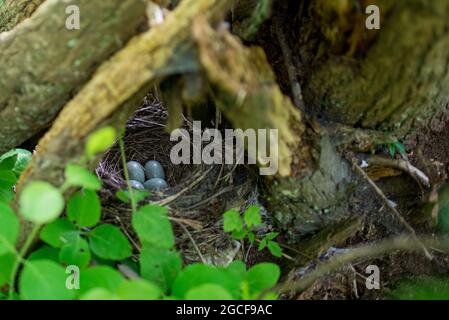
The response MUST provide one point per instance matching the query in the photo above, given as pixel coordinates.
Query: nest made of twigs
(197, 195)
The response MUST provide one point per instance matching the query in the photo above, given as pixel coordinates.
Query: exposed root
(403, 165)
(390, 204)
(362, 252)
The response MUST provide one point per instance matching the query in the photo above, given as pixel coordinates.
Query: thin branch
(390, 204)
(363, 252)
(403, 165)
(193, 242)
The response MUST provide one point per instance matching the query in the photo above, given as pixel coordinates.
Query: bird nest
(197, 195)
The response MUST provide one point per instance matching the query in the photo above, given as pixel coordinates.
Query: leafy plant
(239, 228)
(422, 288)
(396, 147)
(12, 164)
(79, 239)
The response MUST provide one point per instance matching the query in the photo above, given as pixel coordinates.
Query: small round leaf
(208, 291)
(100, 141)
(138, 290)
(75, 251)
(84, 208)
(41, 203)
(152, 226)
(232, 221)
(44, 280)
(109, 242)
(262, 276)
(52, 232)
(77, 176)
(100, 277)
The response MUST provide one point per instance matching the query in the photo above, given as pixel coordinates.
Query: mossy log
(42, 63)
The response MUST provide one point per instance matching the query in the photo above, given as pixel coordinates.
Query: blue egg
(154, 169)
(136, 185)
(136, 171)
(155, 184)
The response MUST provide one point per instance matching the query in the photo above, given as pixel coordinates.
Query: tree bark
(399, 83)
(12, 12)
(392, 82)
(43, 64)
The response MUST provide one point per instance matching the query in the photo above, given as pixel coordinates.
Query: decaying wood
(42, 63)
(310, 187)
(244, 88)
(401, 164)
(115, 90)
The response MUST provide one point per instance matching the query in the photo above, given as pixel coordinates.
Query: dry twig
(390, 204)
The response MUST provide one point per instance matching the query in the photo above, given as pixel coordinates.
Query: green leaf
(422, 288)
(84, 208)
(6, 193)
(271, 235)
(251, 237)
(7, 164)
(77, 176)
(45, 253)
(100, 261)
(197, 274)
(232, 221)
(8, 178)
(9, 229)
(139, 195)
(75, 251)
(159, 265)
(52, 233)
(262, 244)
(392, 149)
(239, 234)
(100, 140)
(262, 276)
(109, 242)
(99, 294)
(21, 158)
(274, 248)
(100, 277)
(44, 279)
(41, 203)
(208, 291)
(138, 290)
(238, 268)
(400, 147)
(152, 226)
(6, 265)
(270, 296)
(252, 216)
